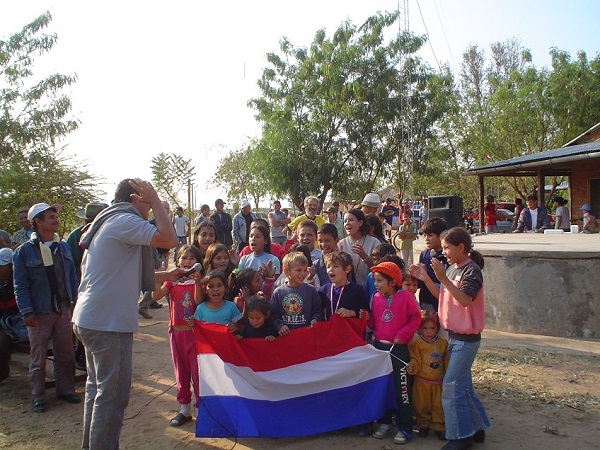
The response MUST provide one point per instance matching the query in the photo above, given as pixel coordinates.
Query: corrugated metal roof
(547, 159)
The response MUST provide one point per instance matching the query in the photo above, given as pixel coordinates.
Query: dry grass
(552, 382)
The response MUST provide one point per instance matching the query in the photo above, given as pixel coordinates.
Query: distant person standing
(203, 215)
(181, 222)
(590, 224)
(24, 234)
(518, 209)
(278, 221)
(389, 211)
(46, 287)
(88, 214)
(424, 212)
(241, 225)
(334, 218)
(223, 224)
(340, 214)
(371, 203)
(490, 215)
(562, 218)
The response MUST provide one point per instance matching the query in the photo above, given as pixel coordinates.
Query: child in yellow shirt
(428, 362)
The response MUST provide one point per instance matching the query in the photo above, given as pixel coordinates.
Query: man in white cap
(241, 225)
(371, 203)
(46, 287)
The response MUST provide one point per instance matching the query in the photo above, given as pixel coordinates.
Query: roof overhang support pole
(541, 188)
(481, 214)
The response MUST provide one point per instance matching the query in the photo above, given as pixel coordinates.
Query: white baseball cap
(6, 256)
(245, 203)
(41, 207)
(372, 200)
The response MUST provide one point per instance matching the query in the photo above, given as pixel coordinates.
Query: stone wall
(553, 294)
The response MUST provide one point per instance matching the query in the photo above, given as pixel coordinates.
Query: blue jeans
(463, 412)
(182, 241)
(109, 366)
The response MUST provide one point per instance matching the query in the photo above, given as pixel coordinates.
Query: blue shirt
(226, 314)
(255, 261)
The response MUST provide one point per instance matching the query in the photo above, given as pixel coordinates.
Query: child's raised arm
(420, 272)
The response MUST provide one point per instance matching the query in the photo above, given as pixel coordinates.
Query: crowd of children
(268, 295)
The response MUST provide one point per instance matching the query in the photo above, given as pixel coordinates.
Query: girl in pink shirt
(462, 314)
(395, 319)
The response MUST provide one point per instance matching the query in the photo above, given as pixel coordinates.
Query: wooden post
(481, 200)
(541, 188)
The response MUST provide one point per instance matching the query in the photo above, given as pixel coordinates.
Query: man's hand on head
(145, 191)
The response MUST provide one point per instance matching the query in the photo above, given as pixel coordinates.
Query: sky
(176, 77)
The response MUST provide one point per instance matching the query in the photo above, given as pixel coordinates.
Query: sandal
(179, 420)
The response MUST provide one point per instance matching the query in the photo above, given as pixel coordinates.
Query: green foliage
(506, 108)
(171, 173)
(241, 173)
(34, 118)
(346, 113)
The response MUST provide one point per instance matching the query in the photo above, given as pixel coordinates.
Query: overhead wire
(445, 37)
(428, 36)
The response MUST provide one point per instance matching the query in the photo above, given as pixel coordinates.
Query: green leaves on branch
(171, 174)
(338, 110)
(34, 118)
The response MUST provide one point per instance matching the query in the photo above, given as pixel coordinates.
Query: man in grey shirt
(116, 266)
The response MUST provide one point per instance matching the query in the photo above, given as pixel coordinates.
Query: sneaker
(479, 436)
(144, 314)
(383, 430)
(401, 437)
(38, 406)
(459, 444)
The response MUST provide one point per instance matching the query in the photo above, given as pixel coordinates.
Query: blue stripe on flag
(228, 416)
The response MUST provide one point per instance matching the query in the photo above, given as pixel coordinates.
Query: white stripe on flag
(334, 372)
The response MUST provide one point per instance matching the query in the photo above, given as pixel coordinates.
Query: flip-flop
(179, 420)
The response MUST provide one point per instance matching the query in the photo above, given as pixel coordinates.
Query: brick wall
(580, 184)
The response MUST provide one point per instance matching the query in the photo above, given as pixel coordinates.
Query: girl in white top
(358, 244)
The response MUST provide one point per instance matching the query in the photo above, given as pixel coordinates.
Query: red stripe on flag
(301, 345)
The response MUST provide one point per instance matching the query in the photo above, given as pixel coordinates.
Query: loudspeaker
(447, 207)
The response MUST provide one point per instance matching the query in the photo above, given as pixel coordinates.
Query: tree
(171, 173)
(34, 119)
(241, 174)
(506, 107)
(334, 115)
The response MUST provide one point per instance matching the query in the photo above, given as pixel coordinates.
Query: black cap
(219, 201)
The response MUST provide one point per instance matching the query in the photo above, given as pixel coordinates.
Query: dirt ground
(539, 392)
